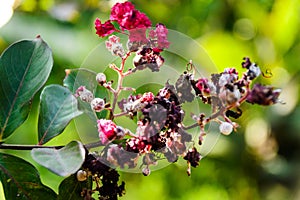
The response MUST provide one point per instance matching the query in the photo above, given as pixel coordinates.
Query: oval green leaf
(63, 162)
(58, 107)
(24, 68)
(21, 180)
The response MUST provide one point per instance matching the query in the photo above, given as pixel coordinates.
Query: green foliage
(24, 68)
(62, 162)
(21, 180)
(58, 107)
(67, 192)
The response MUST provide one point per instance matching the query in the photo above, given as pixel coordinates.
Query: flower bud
(114, 46)
(101, 78)
(97, 104)
(226, 128)
(253, 71)
(81, 175)
(84, 94)
(146, 171)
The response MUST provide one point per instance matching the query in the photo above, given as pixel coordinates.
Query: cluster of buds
(114, 46)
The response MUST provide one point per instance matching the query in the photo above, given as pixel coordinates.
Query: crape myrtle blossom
(136, 23)
(107, 130)
(127, 17)
(161, 132)
(160, 36)
(104, 29)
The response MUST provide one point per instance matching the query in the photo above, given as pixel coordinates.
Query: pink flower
(120, 10)
(104, 29)
(202, 85)
(160, 35)
(114, 39)
(114, 46)
(147, 97)
(138, 35)
(128, 17)
(107, 130)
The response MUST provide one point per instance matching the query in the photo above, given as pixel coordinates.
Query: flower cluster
(160, 131)
(126, 16)
(136, 23)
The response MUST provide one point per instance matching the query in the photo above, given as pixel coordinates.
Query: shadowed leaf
(21, 180)
(62, 162)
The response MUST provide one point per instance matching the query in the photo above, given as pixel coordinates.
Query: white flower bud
(255, 69)
(97, 104)
(146, 171)
(84, 94)
(81, 175)
(225, 128)
(101, 78)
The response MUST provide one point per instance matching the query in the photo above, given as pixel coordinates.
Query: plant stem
(30, 147)
(121, 76)
(26, 147)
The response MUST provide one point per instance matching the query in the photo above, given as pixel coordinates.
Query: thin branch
(30, 147)
(26, 147)
(191, 126)
(120, 114)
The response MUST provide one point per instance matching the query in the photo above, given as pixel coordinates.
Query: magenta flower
(138, 35)
(104, 29)
(147, 97)
(160, 36)
(120, 10)
(203, 86)
(128, 17)
(107, 130)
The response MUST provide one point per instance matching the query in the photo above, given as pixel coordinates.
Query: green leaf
(71, 188)
(63, 162)
(24, 68)
(21, 180)
(58, 107)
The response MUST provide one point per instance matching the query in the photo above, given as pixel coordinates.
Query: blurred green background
(261, 160)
